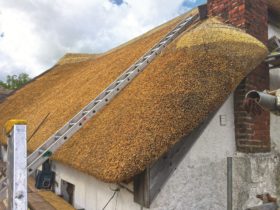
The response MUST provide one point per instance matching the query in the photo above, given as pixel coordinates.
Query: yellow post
(10, 124)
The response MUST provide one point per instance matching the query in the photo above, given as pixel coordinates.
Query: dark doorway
(67, 191)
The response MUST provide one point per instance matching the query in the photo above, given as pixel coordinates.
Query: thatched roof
(176, 92)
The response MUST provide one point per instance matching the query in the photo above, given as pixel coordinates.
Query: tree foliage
(15, 81)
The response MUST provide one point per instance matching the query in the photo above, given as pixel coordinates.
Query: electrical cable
(116, 191)
(116, 201)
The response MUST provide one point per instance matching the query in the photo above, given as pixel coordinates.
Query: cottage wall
(90, 193)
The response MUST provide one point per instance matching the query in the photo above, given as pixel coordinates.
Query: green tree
(15, 81)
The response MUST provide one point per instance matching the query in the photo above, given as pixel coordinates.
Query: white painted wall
(92, 194)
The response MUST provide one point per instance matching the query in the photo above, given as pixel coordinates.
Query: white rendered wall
(90, 193)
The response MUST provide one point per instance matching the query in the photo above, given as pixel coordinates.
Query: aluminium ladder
(42, 153)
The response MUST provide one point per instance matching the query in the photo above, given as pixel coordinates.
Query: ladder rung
(71, 124)
(128, 73)
(138, 64)
(57, 137)
(183, 23)
(41, 151)
(109, 91)
(120, 81)
(147, 56)
(155, 49)
(163, 42)
(85, 112)
(169, 36)
(96, 102)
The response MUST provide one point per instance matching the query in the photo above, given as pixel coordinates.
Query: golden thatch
(176, 92)
(76, 58)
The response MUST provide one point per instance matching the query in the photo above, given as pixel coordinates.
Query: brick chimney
(252, 133)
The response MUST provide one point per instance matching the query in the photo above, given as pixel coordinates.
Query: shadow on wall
(274, 79)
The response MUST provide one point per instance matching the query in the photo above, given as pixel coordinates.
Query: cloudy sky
(35, 34)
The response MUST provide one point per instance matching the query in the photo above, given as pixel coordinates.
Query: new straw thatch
(176, 92)
(76, 58)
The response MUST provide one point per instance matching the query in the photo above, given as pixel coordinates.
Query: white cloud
(38, 33)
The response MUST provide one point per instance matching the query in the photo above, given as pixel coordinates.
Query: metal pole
(17, 165)
(229, 183)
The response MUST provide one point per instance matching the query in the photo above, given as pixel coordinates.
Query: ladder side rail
(83, 115)
(41, 158)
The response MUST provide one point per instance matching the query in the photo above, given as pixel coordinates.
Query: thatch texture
(176, 92)
(76, 58)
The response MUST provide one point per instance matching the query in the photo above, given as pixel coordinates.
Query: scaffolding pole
(17, 165)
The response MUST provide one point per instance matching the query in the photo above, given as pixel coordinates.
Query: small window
(67, 191)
